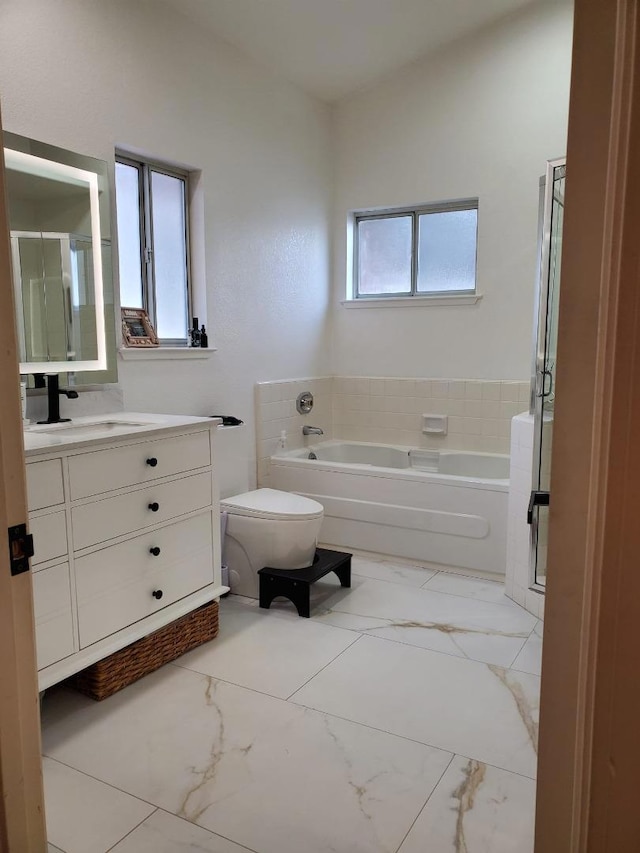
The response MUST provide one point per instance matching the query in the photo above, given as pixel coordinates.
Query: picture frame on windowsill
(137, 330)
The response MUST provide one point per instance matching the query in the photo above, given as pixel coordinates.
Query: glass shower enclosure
(544, 364)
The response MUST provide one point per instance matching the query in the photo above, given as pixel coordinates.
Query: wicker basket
(127, 665)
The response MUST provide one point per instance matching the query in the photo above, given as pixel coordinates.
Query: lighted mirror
(59, 220)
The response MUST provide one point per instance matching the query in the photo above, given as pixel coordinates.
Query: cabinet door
(44, 484)
(52, 609)
(120, 585)
(118, 467)
(49, 536)
(102, 520)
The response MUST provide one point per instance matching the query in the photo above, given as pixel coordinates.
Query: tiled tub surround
(276, 412)
(402, 716)
(518, 575)
(389, 411)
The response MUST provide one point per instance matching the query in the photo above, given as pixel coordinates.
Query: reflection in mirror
(61, 255)
(54, 280)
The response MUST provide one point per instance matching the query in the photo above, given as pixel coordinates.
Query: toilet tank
(233, 460)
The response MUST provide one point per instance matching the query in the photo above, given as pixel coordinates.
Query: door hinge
(20, 549)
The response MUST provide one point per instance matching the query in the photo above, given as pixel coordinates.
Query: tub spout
(310, 430)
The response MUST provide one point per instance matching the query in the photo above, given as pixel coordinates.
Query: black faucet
(53, 394)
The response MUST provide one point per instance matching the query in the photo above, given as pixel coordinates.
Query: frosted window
(169, 255)
(129, 249)
(384, 255)
(152, 232)
(447, 251)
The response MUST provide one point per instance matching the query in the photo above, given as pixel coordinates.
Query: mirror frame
(22, 161)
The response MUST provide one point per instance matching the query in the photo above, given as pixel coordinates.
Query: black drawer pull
(155, 551)
(154, 507)
(157, 593)
(152, 462)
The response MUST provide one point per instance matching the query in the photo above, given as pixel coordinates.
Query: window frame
(145, 168)
(414, 213)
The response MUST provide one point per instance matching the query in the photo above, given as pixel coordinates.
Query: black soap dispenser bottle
(204, 338)
(195, 334)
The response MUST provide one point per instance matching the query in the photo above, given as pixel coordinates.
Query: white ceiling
(332, 48)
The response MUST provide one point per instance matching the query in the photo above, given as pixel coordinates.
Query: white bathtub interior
(356, 453)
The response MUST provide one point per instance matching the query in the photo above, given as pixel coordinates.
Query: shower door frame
(538, 364)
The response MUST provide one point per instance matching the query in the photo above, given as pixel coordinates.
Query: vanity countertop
(86, 431)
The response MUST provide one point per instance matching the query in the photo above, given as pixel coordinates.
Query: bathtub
(447, 507)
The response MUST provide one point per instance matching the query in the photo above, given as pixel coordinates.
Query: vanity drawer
(49, 536)
(102, 520)
(115, 586)
(44, 484)
(107, 470)
(52, 610)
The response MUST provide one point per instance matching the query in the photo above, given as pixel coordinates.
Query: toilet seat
(274, 505)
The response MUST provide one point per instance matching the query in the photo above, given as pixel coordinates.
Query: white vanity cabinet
(126, 536)
(55, 638)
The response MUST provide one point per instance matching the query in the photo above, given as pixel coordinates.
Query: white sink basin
(101, 427)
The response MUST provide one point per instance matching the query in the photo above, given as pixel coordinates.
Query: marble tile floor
(400, 718)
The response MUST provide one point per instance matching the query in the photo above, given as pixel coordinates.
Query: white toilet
(265, 527)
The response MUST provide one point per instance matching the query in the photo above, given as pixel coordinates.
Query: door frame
(22, 823)
(590, 704)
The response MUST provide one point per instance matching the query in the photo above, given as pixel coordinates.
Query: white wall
(478, 119)
(89, 75)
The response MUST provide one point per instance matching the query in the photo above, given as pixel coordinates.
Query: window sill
(404, 301)
(164, 353)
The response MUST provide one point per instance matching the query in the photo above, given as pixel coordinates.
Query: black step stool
(295, 584)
